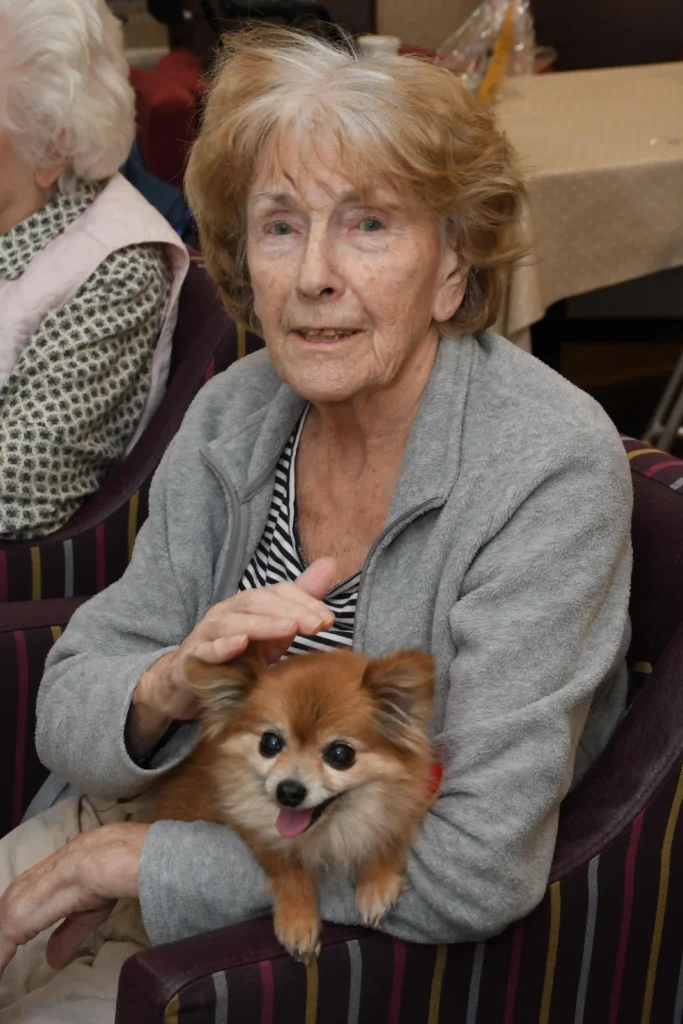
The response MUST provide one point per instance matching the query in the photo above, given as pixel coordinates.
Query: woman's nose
(318, 276)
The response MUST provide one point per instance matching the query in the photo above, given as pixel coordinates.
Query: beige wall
(422, 22)
(141, 30)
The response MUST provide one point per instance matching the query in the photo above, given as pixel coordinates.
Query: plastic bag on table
(496, 40)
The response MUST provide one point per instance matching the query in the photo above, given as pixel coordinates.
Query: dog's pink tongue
(293, 823)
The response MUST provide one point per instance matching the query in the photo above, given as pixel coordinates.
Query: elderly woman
(387, 473)
(89, 271)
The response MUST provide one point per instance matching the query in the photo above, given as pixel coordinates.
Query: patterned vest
(118, 217)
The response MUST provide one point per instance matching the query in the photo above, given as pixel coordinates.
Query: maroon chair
(167, 101)
(93, 549)
(604, 946)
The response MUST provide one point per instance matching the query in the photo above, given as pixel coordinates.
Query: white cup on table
(371, 45)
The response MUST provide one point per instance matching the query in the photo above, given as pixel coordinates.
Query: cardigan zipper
(238, 536)
(388, 534)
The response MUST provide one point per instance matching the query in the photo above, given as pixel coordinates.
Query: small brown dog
(320, 761)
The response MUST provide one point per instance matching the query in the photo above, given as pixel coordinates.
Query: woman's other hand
(265, 618)
(78, 885)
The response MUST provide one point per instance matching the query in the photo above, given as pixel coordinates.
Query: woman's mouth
(326, 335)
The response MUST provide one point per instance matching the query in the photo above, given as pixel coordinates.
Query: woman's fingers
(319, 577)
(286, 599)
(253, 626)
(8, 948)
(272, 650)
(25, 907)
(38, 899)
(265, 618)
(68, 936)
(78, 884)
(217, 652)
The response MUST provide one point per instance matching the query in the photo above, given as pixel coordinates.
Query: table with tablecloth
(603, 155)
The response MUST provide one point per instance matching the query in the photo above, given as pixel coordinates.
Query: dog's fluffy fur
(379, 708)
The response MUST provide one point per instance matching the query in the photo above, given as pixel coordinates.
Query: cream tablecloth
(603, 151)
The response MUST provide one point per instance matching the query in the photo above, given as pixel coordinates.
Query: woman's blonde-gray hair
(64, 88)
(398, 121)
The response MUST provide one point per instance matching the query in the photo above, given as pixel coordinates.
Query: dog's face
(304, 742)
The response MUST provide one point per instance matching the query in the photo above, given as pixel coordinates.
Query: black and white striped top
(279, 557)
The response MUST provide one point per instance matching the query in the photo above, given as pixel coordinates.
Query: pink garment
(119, 216)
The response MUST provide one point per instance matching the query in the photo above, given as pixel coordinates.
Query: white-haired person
(386, 473)
(89, 271)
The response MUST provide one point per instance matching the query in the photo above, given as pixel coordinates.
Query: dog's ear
(222, 689)
(402, 687)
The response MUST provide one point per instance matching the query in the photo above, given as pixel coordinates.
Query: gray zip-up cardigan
(506, 554)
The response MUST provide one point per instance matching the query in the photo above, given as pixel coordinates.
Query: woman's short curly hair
(396, 121)
(64, 86)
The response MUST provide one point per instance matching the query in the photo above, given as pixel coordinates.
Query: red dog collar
(435, 777)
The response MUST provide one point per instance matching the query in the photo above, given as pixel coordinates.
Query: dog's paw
(376, 896)
(300, 937)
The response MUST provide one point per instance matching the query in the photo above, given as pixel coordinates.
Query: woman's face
(347, 294)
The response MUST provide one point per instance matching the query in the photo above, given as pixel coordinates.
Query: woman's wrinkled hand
(265, 619)
(77, 885)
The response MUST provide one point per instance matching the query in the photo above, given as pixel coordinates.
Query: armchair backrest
(648, 743)
(657, 531)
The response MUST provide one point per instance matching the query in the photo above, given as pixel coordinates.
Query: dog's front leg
(295, 915)
(379, 885)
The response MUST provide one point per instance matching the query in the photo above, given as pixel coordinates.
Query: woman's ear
(453, 274)
(46, 177)
(222, 690)
(402, 687)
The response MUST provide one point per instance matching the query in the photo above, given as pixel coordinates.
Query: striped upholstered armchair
(604, 947)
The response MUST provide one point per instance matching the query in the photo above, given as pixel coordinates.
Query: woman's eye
(339, 756)
(370, 224)
(279, 227)
(271, 744)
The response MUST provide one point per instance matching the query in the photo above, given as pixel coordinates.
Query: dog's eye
(271, 744)
(339, 756)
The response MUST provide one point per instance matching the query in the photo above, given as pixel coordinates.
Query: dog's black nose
(290, 793)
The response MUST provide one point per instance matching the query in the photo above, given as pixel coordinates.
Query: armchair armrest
(245, 958)
(50, 612)
(27, 631)
(647, 745)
